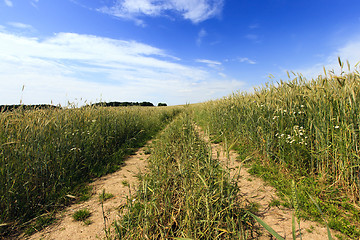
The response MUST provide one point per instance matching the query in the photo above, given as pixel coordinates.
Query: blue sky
(174, 51)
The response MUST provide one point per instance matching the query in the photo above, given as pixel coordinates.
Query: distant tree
(123, 104)
(5, 108)
(162, 104)
(146, 104)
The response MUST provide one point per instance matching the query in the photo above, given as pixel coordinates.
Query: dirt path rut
(119, 184)
(252, 189)
(255, 190)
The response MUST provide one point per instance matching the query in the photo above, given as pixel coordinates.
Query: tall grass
(186, 194)
(309, 127)
(46, 154)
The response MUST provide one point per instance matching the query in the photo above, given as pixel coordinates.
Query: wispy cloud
(348, 52)
(252, 37)
(246, 60)
(34, 3)
(193, 10)
(8, 3)
(211, 63)
(68, 66)
(20, 25)
(254, 26)
(202, 33)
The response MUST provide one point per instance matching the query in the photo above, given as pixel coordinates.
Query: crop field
(302, 131)
(48, 154)
(299, 133)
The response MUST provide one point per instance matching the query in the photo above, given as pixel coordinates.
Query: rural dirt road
(255, 190)
(120, 184)
(252, 189)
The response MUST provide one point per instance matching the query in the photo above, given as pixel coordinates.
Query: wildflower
(75, 149)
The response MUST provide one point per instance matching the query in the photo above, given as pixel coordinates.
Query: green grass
(105, 196)
(306, 131)
(185, 194)
(50, 153)
(40, 223)
(299, 133)
(81, 215)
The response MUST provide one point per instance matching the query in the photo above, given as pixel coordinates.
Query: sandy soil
(117, 184)
(254, 189)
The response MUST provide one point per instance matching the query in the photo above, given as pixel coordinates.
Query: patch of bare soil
(121, 184)
(255, 190)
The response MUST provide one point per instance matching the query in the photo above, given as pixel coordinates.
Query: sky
(172, 51)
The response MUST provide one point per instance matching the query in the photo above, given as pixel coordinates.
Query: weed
(81, 215)
(105, 196)
(40, 223)
(275, 203)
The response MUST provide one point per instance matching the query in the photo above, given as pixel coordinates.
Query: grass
(299, 133)
(46, 154)
(185, 194)
(302, 130)
(81, 215)
(105, 196)
(40, 223)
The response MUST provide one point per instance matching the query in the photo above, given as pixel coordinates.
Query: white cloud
(247, 60)
(350, 52)
(193, 10)
(34, 3)
(202, 33)
(68, 66)
(20, 25)
(210, 63)
(222, 75)
(252, 37)
(8, 3)
(254, 26)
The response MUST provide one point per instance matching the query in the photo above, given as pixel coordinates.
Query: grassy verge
(306, 131)
(185, 194)
(47, 155)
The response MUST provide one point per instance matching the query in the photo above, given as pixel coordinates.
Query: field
(49, 154)
(301, 136)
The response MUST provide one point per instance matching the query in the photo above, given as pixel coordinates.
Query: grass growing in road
(185, 194)
(307, 131)
(81, 215)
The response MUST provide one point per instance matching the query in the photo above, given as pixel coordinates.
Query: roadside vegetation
(48, 155)
(186, 194)
(302, 131)
(301, 136)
